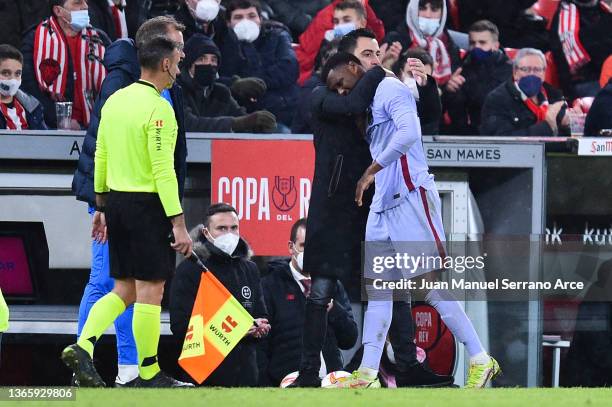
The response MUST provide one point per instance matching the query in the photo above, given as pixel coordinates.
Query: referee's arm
(161, 140)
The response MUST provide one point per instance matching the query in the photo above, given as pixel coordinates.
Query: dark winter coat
(122, 67)
(303, 115)
(33, 110)
(279, 354)
(505, 114)
(271, 58)
(595, 26)
(235, 272)
(296, 14)
(30, 84)
(465, 105)
(336, 225)
(600, 114)
(16, 17)
(208, 110)
(516, 28)
(429, 107)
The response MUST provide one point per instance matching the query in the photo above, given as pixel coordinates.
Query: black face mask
(205, 75)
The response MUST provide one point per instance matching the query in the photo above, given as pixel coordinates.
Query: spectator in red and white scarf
(424, 27)
(18, 110)
(63, 61)
(525, 105)
(581, 40)
(109, 16)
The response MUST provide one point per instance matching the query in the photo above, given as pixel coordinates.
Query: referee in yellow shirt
(138, 206)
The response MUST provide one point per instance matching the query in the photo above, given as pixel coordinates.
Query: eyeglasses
(531, 69)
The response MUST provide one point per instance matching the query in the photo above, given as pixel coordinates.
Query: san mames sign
(268, 182)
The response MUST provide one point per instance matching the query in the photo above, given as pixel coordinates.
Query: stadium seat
(453, 11)
(547, 9)
(511, 52)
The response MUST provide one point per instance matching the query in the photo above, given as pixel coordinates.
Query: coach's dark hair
(418, 53)
(348, 43)
(435, 4)
(152, 53)
(234, 5)
(352, 4)
(301, 223)
(156, 27)
(7, 51)
(215, 209)
(485, 25)
(337, 60)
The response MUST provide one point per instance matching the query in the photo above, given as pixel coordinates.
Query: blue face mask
(342, 29)
(429, 25)
(479, 55)
(530, 85)
(79, 19)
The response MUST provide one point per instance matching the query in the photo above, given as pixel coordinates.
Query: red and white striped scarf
(51, 61)
(437, 49)
(15, 117)
(118, 12)
(569, 34)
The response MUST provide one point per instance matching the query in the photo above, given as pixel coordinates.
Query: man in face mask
(348, 16)
(485, 68)
(209, 105)
(18, 110)
(525, 105)
(424, 26)
(219, 245)
(202, 17)
(63, 61)
(286, 289)
(253, 48)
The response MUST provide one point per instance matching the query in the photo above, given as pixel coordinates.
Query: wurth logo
(159, 123)
(229, 324)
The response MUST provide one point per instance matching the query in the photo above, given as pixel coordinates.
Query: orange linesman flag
(218, 322)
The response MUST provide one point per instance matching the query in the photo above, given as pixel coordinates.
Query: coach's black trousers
(401, 331)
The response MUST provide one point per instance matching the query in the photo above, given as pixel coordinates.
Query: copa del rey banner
(268, 182)
(218, 322)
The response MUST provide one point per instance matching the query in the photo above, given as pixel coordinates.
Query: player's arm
(401, 107)
(355, 102)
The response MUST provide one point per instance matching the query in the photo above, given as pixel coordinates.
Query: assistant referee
(138, 206)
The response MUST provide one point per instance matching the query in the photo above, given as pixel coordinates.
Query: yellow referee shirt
(4, 314)
(135, 145)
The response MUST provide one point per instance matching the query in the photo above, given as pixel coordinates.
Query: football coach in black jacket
(285, 289)
(218, 244)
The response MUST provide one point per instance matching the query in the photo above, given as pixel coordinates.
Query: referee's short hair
(152, 53)
(217, 208)
(337, 60)
(156, 27)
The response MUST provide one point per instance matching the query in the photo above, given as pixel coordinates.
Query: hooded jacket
(241, 278)
(33, 109)
(121, 62)
(279, 354)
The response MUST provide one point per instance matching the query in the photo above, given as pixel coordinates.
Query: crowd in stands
(493, 67)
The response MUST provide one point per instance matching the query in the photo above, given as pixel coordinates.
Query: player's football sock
(101, 315)
(126, 373)
(480, 358)
(456, 320)
(375, 327)
(146, 327)
(481, 374)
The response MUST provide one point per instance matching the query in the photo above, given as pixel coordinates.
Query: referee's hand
(182, 241)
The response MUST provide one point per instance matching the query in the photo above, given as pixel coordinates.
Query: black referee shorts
(138, 230)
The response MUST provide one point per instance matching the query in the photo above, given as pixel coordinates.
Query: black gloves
(257, 122)
(247, 91)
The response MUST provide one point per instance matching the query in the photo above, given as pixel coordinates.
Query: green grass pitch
(209, 397)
